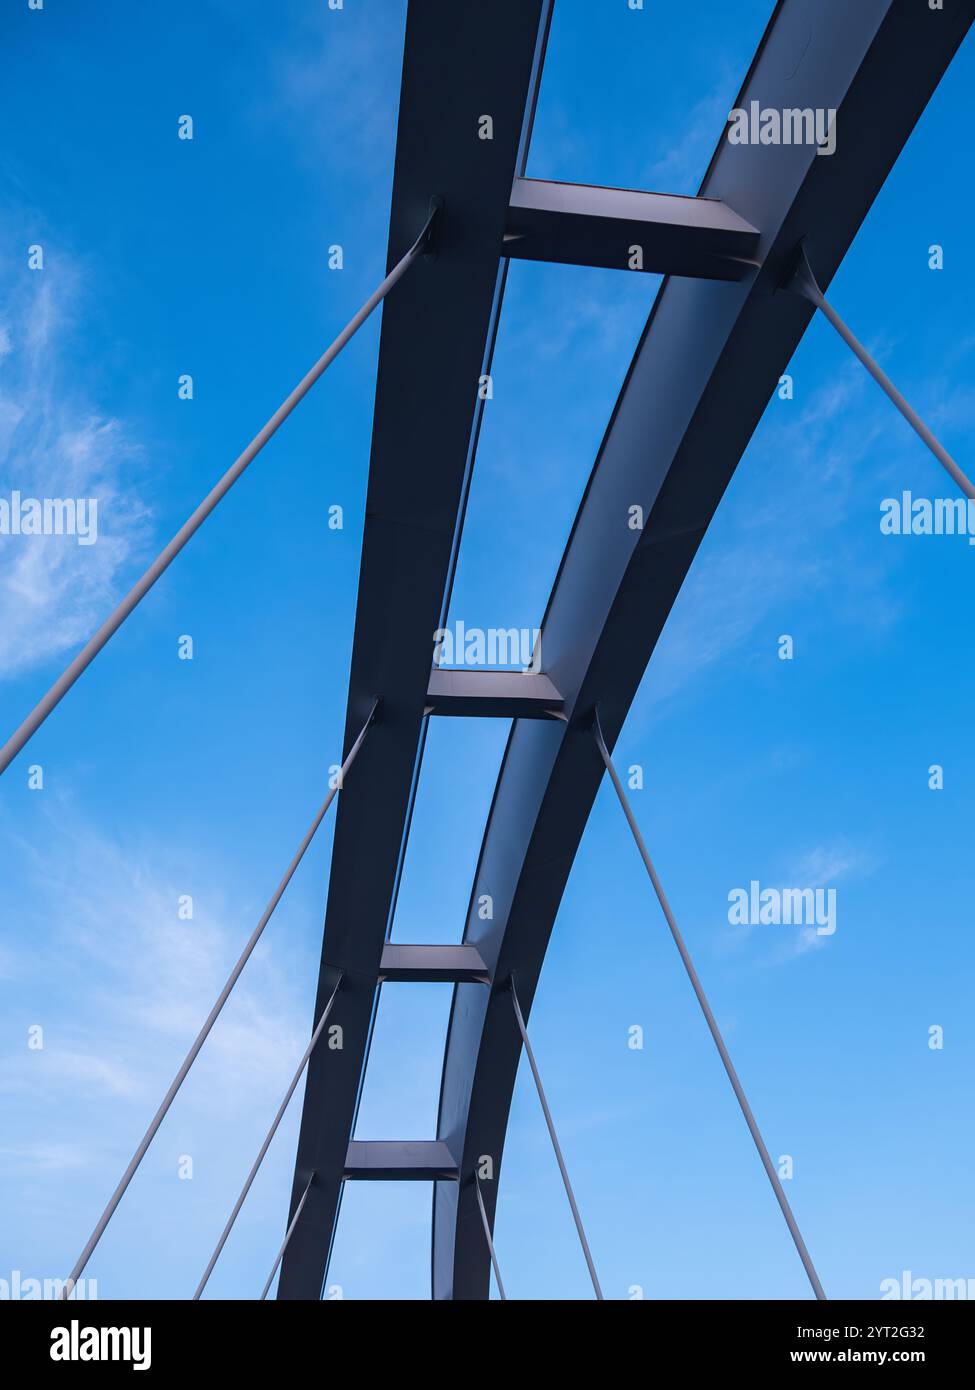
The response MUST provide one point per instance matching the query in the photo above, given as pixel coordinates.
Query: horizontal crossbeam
(622, 229)
(392, 1160)
(492, 694)
(411, 964)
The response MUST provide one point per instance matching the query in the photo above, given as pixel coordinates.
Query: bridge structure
(745, 266)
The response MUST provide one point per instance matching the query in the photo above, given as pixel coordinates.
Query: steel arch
(711, 355)
(707, 365)
(460, 62)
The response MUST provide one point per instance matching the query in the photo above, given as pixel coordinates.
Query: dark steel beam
(461, 62)
(707, 364)
(403, 1160)
(492, 694)
(578, 224)
(453, 965)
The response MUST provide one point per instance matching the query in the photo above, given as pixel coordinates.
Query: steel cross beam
(415, 964)
(578, 224)
(409, 1160)
(492, 694)
(707, 365)
(461, 63)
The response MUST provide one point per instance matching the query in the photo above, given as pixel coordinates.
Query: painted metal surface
(492, 695)
(407, 1160)
(578, 224)
(709, 361)
(412, 964)
(459, 64)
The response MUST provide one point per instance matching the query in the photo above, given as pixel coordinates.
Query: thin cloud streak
(57, 444)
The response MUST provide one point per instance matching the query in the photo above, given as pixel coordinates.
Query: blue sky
(165, 777)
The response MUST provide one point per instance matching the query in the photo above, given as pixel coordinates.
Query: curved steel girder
(706, 367)
(460, 62)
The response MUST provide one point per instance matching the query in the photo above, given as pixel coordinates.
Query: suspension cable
(204, 1032)
(804, 283)
(267, 1142)
(487, 1236)
(555, 1139)
(287, 1238)
(112, 624)
(746, 1109)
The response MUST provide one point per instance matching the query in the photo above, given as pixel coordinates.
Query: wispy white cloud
(121, 985)
(149, 979)
(57, 443)
(32, 1160)
(805, 940)
(62, 1066)
(680, 164)
(828, 863)
(359, 56)
(823, 866)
